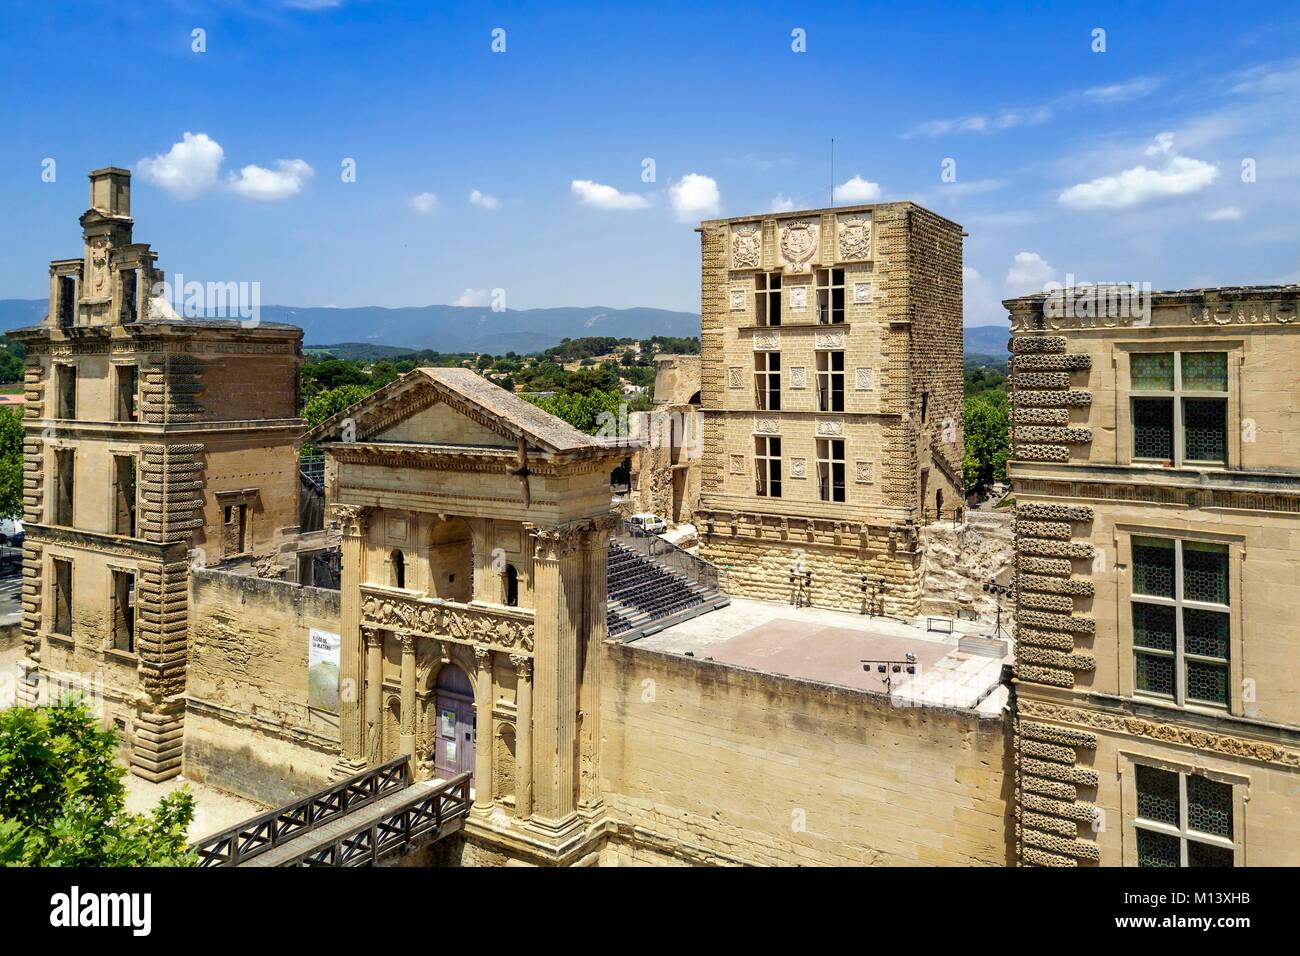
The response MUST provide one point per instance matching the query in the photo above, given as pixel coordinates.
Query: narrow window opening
(398, 561)
(124, 611)
(124, 481)
(62, 597)
(64, 485)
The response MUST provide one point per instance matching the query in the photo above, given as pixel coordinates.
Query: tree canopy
(63, 803)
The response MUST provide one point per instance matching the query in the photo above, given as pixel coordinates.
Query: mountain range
(454, 328)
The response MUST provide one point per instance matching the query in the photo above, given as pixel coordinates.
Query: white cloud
(474, 298)
(1180, 176)
(484, 200)
(694, 196)
(1161, 145)
(857, 189)
(424, 203)
(601, 196)
(188, 169)
(1127, 90)
(980, 303)
(1029, 272)
(258, 182)
(782, 203)
(981, 123)
(1226, 214)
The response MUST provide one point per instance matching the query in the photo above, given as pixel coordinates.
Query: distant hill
(986, 344)
(374, 332)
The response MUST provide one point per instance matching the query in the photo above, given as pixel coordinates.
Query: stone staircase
(648, 593)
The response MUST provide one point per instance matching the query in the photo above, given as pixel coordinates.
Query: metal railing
(666, 554)
(252, 837)
(313, 469)
(366, 844)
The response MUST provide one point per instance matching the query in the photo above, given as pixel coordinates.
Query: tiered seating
(642, 592)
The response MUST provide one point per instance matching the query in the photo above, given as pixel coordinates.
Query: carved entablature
(746, 245)
(447, 621)
(799, 241)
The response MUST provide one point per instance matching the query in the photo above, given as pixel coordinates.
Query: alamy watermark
(1098, 300)
(241, 301)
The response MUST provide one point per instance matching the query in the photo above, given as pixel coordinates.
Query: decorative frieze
(828, 340)
(767, 340)
(830, 428)
(445, 620)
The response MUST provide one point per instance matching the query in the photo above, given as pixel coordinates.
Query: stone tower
(831, 345)
(150, 441)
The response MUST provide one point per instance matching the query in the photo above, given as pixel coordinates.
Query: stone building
(667, 442)
(472, 609)
(149, 443)
(832, 397)
(1157, 484)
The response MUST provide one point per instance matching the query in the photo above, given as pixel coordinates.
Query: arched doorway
(451, 561)
(398, 562)
(453, 719)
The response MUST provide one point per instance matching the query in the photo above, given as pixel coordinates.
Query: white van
(647, 524)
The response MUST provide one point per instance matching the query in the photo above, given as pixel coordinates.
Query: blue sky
(1122, 165)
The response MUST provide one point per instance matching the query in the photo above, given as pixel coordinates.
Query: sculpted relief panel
(746, 245)
(470, 625)
(855, 237)
(798, 244)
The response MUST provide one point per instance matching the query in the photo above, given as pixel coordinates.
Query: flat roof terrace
(961, 670)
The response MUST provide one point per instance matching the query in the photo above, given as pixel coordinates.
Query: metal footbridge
(355, 822)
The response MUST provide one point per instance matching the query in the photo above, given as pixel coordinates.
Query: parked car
(11, 532)
(647, 524)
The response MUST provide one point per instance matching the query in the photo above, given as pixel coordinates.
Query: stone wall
(708, 764)
(248, 728)
(958, 559)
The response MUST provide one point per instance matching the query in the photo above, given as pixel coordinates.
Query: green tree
(988, 445)
(62, 802)
(330, 403)
(11, 463)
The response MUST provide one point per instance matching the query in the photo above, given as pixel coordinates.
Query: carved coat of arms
(746, 246)
(855, 238)
(798, 243)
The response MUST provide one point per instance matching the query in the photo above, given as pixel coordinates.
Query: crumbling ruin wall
(248, 726)
(959, 559)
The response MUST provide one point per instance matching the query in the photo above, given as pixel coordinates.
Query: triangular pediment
(437, 406)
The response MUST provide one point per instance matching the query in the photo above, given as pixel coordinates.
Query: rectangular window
(767, 381)
(66, 396)
(1181, 620)
(235, 529)
(830, 468)
(124, 471)
(830, 381)
(1183, 819)
(830, 296)
(130, 295)
(67, 292)
(65, 464)
(767, 465)
(128, 393)
(62, 623)
(767, 298)
(1180, 407)
(124, 611)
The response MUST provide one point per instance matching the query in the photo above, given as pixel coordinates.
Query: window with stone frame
(123, 623)
(767, 465)
(67, 301)
(830, 296)
(1182, 620)
(65, 377)
(1180, 407)
(128, 392)
(767, 298)
(767, 381)
(234, 529)
(830, 381)
(124, 495)
(830, 469)
(61, 586)
(1182, 819)
(65, 489)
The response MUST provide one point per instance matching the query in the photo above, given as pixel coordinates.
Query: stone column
(484, 731)
(558, 605)
(408, 698)
(595, 560)
(374, 694)
(352, 756)
(523, 735)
